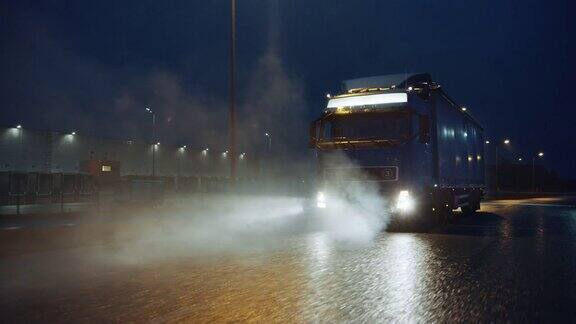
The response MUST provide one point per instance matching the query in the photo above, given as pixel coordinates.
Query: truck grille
(377, 173)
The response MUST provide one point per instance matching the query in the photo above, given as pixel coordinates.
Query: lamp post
(20, 149)
(153, 140)
(20, 153)
(232, 98)
(181, 156)
(268, 140)
(505, 141)
(539, 155)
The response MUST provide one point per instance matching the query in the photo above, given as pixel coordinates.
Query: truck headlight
(321, 200)
(405, 202)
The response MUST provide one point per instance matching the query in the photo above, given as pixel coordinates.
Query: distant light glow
(506, 141)
(368, 100)
(470, 158)
(519, 159)
(73, 133)
(410, 88)
(487, 142)
(19, 126)
(540, 154)
(464, 108)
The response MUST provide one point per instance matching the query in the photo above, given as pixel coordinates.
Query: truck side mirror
(313, 139)
(424, 129)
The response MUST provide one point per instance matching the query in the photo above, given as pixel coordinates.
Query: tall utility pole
(232, 94)
(154, 144)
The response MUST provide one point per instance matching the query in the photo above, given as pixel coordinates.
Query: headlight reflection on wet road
(346, 284)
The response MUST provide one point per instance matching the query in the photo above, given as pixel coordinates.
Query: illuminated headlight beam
(405, 202)
(369, 100)
(321, 200)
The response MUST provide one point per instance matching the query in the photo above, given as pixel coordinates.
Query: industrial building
(38, 165)
(27, 150)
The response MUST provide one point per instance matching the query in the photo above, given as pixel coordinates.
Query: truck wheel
(471, 208)
(468, 210)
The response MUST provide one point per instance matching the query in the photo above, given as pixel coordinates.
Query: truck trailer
(402, 132)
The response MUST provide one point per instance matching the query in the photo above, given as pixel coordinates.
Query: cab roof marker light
(378, 99)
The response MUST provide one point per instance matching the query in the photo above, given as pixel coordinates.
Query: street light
(19, 128)
(505, 141)
(269, 140)
(232, 97)
(148, 110)
(540, 155)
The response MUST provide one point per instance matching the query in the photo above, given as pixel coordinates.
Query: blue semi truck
(403, 134)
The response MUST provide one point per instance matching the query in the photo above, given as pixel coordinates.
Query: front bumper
(401, 202)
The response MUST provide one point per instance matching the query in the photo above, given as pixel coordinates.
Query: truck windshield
(367, 126)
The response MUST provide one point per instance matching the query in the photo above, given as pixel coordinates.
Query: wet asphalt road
(514, 261)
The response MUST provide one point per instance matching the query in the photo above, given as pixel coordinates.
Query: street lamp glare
(519, 159)
(540, 154)
(487, 142)
(266, 134)
(464, 108)
(506, 141)
(19, 126)
(73, 133)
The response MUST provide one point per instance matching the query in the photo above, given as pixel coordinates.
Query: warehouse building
(45, 166)
(27, 150)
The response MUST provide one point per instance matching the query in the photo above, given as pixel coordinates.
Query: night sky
(94, 66)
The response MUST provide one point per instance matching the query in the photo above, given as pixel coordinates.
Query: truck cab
(403, 135)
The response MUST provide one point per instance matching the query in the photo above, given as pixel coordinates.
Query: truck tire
(472, 207)
(468, 210)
